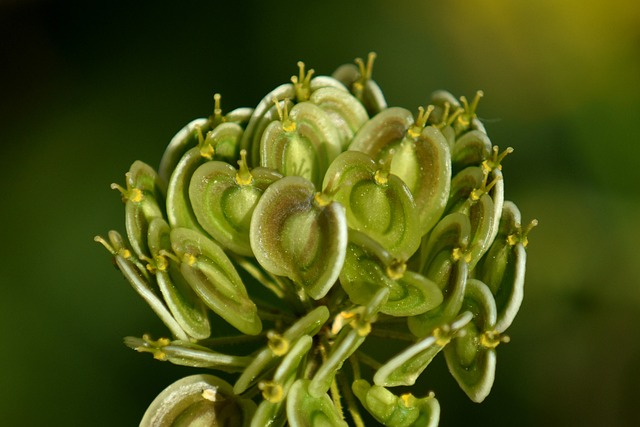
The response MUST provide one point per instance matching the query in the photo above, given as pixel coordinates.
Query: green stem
(369, 361)
(352, 405)
(396, 335)
(235, 340)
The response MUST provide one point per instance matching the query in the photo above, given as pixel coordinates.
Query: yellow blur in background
(87, 89)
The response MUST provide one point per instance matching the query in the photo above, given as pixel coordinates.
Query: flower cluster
(318, 221)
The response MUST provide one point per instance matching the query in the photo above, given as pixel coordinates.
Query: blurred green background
(86, 88)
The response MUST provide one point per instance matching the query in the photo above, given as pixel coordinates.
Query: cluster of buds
(313, 222)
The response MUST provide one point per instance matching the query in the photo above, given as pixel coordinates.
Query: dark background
(86, 88)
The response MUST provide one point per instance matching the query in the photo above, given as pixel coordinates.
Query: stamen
(205, 144)
(132, 194)
(382, 175)
(421, 121)
(283, 113)
(302, 83)
(495, 161)
(458, 253)
(396, 269)
(469, 110)
(277, 343)
(189, 259)
(321, 199)
(365, 74)
(491, 339)
(243, 176)
(211, 394)
(442, 335)
(271, 391)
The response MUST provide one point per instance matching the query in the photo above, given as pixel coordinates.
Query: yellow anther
(442, 335)
(522, 235)
(396, 269)
(469, 110)
(321, 199)
(288, 126)
(495, 161)
(302, 83)
(207, 151)
(160, 342)
(348, 315)
(283, 114)
(189, 259)
(205, 144)
(381, 177)
(340, 321)
(271, 391)
(408, 400)
(161, 263)
(135, 195)
(362, 328)
(484, 187)
(243, 176)
(169, 255)
(160, 355)
(277, 343)
(352, 318)
(458, 253)
(211, 394)
(124, 253)
(423, 115)
(491, 339)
